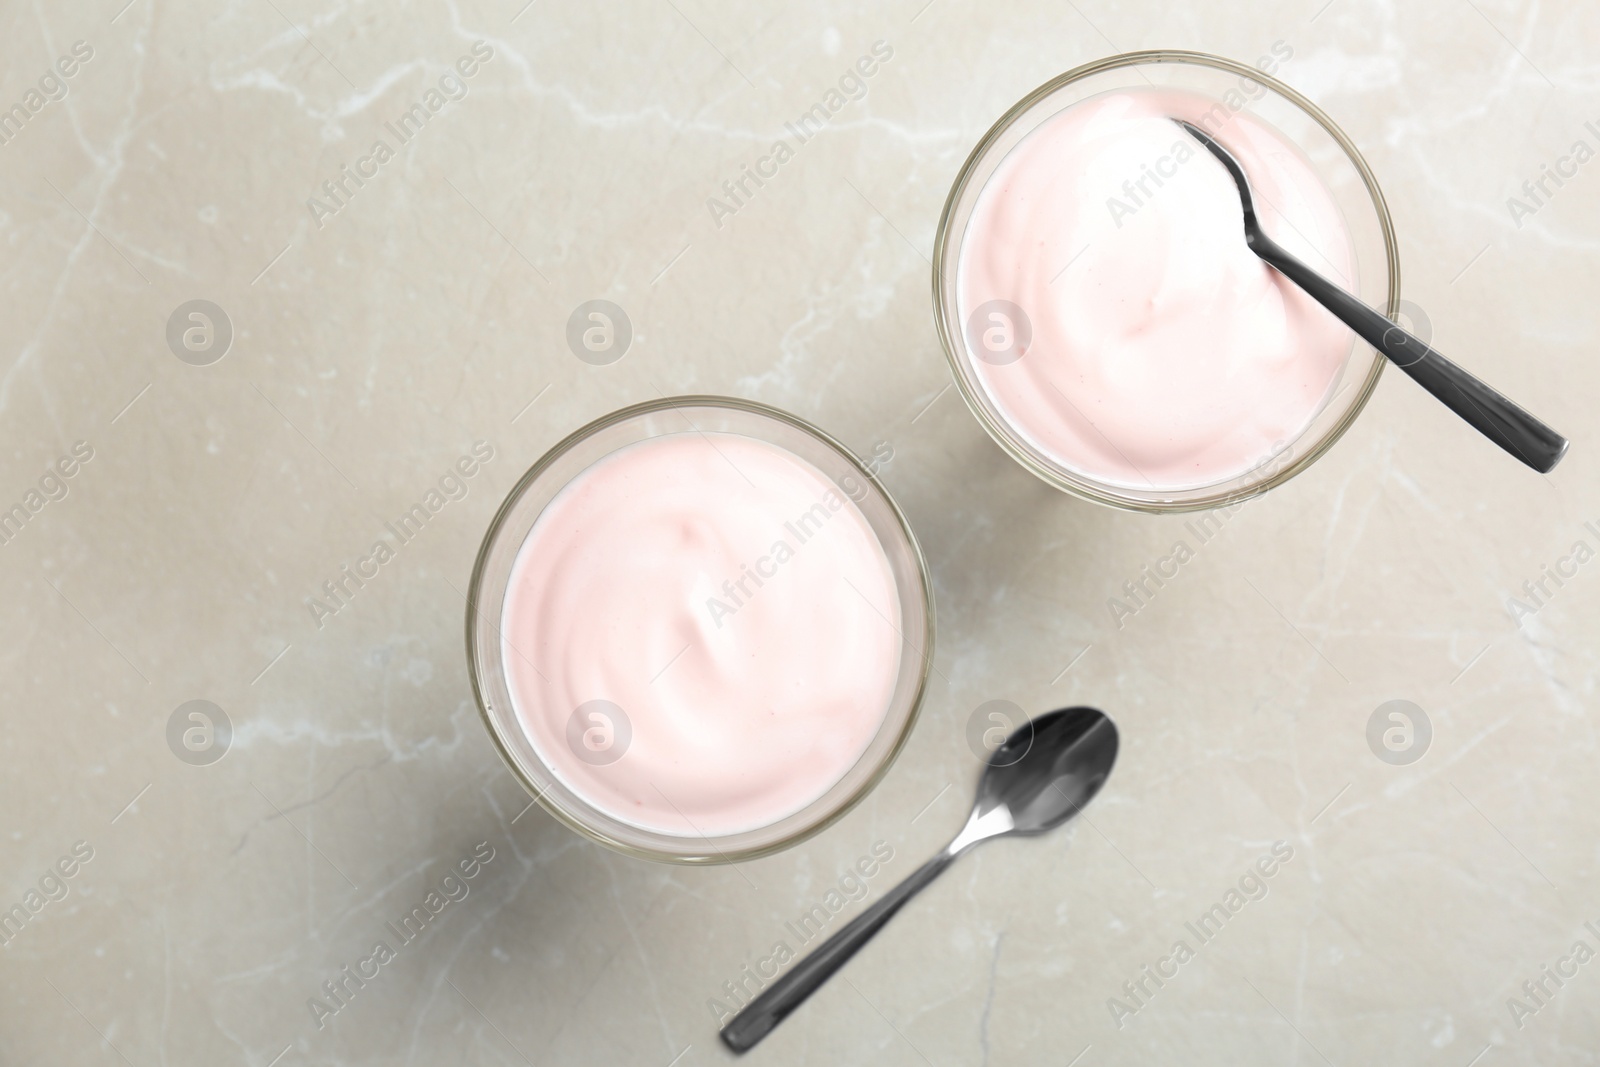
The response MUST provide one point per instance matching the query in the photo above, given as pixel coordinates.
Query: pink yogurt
(1163, 353)
(735, 606)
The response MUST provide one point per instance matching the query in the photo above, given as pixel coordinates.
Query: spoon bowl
(1067, 759)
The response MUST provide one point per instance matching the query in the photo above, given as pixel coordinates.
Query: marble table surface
(189, 484)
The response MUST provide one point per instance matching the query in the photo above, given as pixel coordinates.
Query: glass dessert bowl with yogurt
(1103, 316)
(699, 630)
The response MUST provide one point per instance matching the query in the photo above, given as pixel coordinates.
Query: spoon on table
(1491, 414)
(1043, 775)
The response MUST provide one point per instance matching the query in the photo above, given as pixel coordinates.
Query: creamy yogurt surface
(701, 634)
(1117, 319)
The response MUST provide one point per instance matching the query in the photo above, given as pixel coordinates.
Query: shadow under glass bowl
(553, 472)
(1304, 125)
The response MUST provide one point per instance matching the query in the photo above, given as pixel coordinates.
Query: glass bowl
(1302, 124)
(657, 418)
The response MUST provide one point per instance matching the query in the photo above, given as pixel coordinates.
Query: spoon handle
(790, 991)
(1487, 411)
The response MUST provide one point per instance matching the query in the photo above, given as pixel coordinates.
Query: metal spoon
(1491, 414)
(1043, 775)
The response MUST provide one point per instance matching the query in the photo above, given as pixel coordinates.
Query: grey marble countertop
(183, 510)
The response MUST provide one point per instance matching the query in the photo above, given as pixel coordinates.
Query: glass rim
(707, 854)
(1002, 434)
